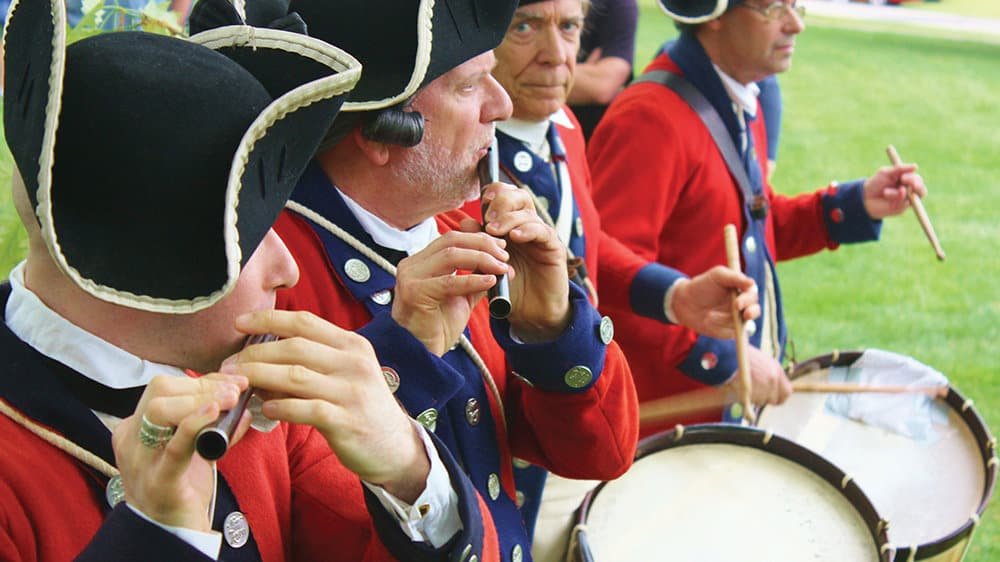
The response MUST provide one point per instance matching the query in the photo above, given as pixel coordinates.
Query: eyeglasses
(778, 10)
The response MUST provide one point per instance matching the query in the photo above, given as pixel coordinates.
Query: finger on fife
(213, 441)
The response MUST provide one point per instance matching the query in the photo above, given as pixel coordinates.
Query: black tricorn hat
(156, 165)
(405, 44)
(696, 11)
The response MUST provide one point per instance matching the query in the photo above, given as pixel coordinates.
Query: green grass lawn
(848, 95)
(979, 8)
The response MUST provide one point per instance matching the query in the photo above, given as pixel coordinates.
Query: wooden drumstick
(742, 357)
(678, 406)
(918, 207)
(841, 388)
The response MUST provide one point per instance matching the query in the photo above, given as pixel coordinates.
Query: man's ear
(376, 152)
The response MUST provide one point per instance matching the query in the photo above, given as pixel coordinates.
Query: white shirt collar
(410, 241)
(744, 96)
(56, 337)
(533, 133)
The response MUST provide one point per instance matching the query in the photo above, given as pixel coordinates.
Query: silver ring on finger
(153, 435)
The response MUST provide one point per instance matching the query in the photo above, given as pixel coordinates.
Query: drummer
(653, 147)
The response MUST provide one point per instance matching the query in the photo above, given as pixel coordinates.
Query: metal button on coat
(523, 161)
(751, 244)
(607, 330)
(236, 530)
(493, 485)
(578, 377)
(114, 492)
(357, 270)
(516, 554)
(579, 226)
(472, 411)
(709, 360)
(391, 378)
(521, 463)
(382, 297)
(519, 497)
(428, 418)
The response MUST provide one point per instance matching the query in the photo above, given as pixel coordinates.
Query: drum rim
(985, 442)
(732, 434)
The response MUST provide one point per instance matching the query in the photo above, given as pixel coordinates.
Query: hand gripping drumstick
(918, 207)
(742, 357)
(499, 294)
(686, 404)
(213, 441)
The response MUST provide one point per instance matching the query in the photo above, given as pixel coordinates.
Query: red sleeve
(590, 435)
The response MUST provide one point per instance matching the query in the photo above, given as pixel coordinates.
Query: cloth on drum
(915, 415)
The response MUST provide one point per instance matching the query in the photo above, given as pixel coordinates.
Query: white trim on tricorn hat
(338, 73)
(425, 43)
(694, 11)
(348, 72)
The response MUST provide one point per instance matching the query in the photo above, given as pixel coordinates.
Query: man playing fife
(542, 151)
(164, 262)
(664, 188)
(374, 222)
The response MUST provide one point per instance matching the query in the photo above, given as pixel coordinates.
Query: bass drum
(725, 492)
(931, 489)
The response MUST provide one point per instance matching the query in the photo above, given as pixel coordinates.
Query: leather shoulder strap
(711, 119)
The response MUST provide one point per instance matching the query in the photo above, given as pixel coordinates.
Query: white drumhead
(715, 502)
(925, 489)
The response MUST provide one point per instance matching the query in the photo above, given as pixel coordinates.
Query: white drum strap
(768, 434)
(966, 405)
(845, 481)
(678, 432)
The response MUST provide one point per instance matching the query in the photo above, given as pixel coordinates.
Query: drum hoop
(985, 442)
(731, 434)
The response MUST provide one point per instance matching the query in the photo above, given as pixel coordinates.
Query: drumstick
(834, 387)
(742, 357)
(678, 406)
(918, 207)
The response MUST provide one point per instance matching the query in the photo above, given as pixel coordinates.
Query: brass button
(236, 530)
(357, 270)
(493, 485)
(428, 418)
(751, 244)
(382, 297)
(472, 411)
(519, 497)
(607, 330)
(516, 554)
(579, 226)
(578, 377)
(391, 378)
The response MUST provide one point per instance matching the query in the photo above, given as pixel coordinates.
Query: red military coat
(663, 189)
(588, 433)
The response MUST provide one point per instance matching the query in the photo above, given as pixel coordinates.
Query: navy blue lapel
(29, 382)
(316, 192)
(697, 68)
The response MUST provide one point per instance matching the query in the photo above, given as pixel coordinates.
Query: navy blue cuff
(649, 288)
(403, 356)
(711, 361)
(466, 543)
(127, 537)
(846, 219)
(571, 363)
